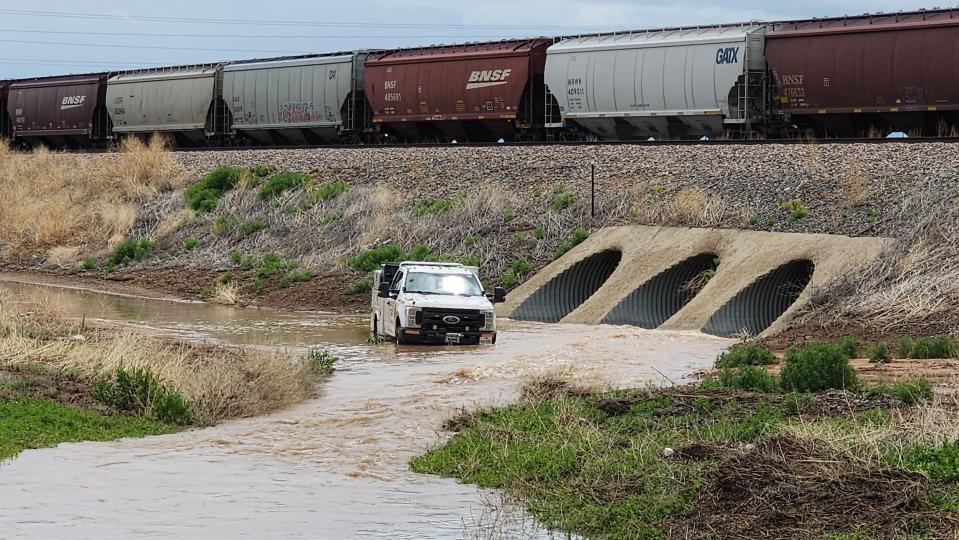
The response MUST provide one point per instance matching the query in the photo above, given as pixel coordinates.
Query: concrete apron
(746, 258)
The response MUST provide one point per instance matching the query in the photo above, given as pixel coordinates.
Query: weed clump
(370, 260)
(191, 243)
(751, 354)
(140, 392)
(128, 252)
(748, 377)
(913, 391)
(279, 184)
(849, 346)
(927, 348)
(816, 367)
(322, 362)
(580, 234)
(562, 199)
(329, 191)
(879, 354)
(429, 207)
(939, 462)
(204, 196)
(796, 208)
(362, 286)
(249, 228)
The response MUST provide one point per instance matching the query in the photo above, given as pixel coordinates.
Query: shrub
(301, 276)
(329, 191)
(322, 362)
(509, 215)
(427, 207)
(204, 196)
(751, 354)
(849, 345)
(579, 236)
(222, 224)
(796, 208)
(926, 348)
(508, 279)
(878, 354)
(521, 267)
(191, 243)
(236, 257)
(279, 184)
(912, 391)
(251, 227)
(420, 253)
(362, 286)
(128, 252)
(816, 367)
(88, 263)
(471, 260)
(941, 463)
(371, 260)
(748, 377)
(140, 392)
(226, 278)
(539, 233)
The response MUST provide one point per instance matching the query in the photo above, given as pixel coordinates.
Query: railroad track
(717, 142)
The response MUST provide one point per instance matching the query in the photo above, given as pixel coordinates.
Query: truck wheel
(399, 333)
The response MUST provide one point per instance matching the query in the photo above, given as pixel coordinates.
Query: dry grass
(220, 383)
(689, 206)
(854, 185)
(55, 204)
(227, 294)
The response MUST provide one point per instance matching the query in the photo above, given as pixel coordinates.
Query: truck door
(389, 322)
(385, 274)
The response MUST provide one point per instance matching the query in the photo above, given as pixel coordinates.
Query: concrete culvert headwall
(760, 304)
(567, 291)
(657, 300)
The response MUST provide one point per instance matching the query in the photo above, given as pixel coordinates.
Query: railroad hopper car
(184, 103)
(666, 84)
(866, 75)
(4, 117)
(307, 100)
(473, 92)
(59, 111)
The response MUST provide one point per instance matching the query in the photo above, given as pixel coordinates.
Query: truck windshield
(450, 284)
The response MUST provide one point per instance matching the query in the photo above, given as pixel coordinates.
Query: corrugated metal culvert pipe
(657, 300)
(758, 306)
(569, 290)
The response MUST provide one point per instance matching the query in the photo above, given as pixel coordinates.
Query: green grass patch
(796, 208)
(34, 423)
(191, 243)
(204, 196)
(249, 228)
(939, 462)
(363, 286)
(879, 354)
(750, 378)
(281, 183)
(580, 234)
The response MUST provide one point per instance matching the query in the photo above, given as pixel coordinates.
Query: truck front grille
(452, 320)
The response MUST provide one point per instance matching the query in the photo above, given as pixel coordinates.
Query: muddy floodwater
(334, 467)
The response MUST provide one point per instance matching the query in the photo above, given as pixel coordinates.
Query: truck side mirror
(499, 295)
(384, 290)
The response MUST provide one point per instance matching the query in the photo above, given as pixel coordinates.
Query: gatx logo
(72, 102)
(486, 79)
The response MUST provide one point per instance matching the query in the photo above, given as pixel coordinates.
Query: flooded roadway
(333, 467)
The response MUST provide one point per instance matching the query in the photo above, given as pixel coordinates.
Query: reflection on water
(334, 467)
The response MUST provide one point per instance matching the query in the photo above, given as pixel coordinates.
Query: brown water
(334, 467)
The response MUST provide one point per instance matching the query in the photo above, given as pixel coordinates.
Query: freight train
(842, 77)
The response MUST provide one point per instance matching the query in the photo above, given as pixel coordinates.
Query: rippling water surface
(334, 467)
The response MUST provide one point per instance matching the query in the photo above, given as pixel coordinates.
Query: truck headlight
(414, 317)
(490, 318)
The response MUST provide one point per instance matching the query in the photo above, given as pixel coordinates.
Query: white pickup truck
(433, 303)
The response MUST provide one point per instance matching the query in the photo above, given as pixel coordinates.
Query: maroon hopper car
(59, 111)
(850, 76)
(474, 92)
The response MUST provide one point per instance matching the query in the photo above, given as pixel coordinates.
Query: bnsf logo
(729, 55)
(485, 79)
(72, 102)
